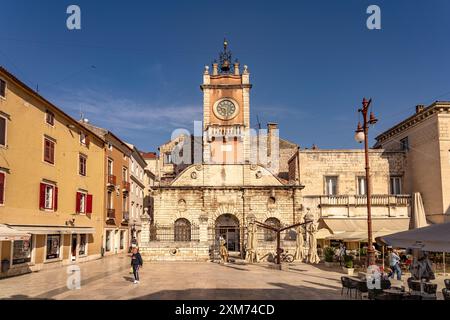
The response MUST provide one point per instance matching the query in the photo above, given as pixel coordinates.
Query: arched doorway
(227, 226)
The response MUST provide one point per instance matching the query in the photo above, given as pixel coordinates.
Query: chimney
(271, 127)
(419, 108)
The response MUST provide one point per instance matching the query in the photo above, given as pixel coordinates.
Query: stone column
(145, 227)
(203, 225)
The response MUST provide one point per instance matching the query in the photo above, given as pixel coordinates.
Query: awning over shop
(53, 229)
(356, 229)
(10, 234)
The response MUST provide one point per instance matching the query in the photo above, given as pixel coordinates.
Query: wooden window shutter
(52, 152)
(89, 205)
(78, 202)
(2, 187)
(55, 199)
(87, 141)
(42, 196)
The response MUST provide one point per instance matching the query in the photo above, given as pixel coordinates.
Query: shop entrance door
(73, 251)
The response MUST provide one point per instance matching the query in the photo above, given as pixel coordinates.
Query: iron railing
(172, 233)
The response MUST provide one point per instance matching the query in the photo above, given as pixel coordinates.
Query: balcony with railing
(110, 214)
(125, 186)
(126, 216)
(111, 182)
(356, 205)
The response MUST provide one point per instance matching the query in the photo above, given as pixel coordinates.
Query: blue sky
(311, 62)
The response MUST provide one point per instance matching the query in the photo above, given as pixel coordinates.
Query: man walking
(394, 262)
(136, 263)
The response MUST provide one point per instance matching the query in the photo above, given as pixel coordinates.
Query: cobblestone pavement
(109, 278)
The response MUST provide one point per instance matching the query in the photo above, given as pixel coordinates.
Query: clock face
(225, 109)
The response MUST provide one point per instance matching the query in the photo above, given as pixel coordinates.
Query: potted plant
(329, 255)
(348, 260)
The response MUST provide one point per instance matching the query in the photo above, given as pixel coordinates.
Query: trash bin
(5, 265)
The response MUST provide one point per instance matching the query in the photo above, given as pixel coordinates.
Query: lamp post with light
(362, 134)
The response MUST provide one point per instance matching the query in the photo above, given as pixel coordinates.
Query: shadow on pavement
(283, 292)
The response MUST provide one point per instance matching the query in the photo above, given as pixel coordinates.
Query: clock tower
(226, 111)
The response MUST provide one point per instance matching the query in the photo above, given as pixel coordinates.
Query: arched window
(182, 230)
(270, 235)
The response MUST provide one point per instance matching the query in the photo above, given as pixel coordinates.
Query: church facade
(214, 183)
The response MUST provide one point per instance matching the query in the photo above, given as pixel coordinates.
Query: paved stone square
(109, 278)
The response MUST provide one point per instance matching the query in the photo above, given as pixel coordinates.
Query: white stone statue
(251, 255)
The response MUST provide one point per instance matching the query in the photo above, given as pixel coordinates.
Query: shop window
(53, 246)
(83, 245)
(122, 239)
(108, 240)
(22, 251)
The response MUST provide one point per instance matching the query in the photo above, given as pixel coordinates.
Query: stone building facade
(241, 177)
(424, 138)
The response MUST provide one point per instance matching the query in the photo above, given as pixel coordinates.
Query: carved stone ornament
(194, 175)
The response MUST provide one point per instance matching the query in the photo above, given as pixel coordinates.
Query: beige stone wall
(423, 171)
(348, 165)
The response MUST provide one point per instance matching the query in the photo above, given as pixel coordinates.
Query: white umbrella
(434, 238)
(418, 217)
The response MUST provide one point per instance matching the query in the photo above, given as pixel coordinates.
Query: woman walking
(136, 263)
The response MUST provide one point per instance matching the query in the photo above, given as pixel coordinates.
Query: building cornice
(436, 107)
(48, 104)
(226, 86)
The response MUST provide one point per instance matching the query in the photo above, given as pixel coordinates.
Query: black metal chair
(409, 281)
(430, 288)
(385, 284)
(344, 282)
(353, 286)
(447, 283)
(446, 293)
(362, 288)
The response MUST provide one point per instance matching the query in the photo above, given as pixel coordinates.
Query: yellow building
(51, 183)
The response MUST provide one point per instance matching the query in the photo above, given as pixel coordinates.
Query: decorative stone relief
(194, 175)
(182, 205)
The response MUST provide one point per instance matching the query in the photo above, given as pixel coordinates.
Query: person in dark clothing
(136, 263)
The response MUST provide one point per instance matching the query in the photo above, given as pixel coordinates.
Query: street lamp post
(362, 134)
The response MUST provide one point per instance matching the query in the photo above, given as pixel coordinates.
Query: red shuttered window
(48, 197)
(2, 188)
(89, 205)
(49, 151)
(84, 203)
(78, 202)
